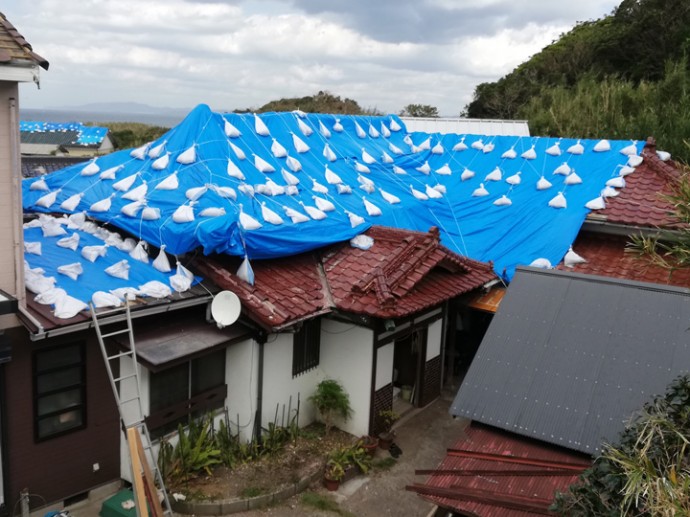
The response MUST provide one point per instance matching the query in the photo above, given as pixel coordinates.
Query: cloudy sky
(231, 54)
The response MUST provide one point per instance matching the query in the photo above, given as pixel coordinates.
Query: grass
(324, 503)
(384, 463)
(252, 491)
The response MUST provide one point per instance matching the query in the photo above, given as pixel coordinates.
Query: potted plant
(369, 444)
(331, 399)
(387, 418)
(333, 475)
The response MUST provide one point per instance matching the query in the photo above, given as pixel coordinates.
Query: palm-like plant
(331, 399)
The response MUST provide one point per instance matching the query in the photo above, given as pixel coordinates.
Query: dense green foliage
(623, 76)
(419, 110)
(331, 400)
(648, 472)
(322, 102)
(126, 135)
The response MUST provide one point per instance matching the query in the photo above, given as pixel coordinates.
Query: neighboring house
(70, 138)
(34, 166)
(18, 63)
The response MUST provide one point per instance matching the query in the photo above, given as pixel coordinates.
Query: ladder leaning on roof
(127, 391)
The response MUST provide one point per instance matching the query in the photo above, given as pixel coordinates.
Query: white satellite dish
(225, 308)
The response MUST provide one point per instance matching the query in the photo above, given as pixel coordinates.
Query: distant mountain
(127, 107)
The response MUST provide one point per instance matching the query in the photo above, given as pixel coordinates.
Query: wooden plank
(150, 485)
(137, 480)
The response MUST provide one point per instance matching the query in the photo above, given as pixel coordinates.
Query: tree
(648, 472)
(322, 102)
(419, 110)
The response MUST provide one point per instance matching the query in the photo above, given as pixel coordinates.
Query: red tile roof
(403, 273)
(606, 256)
(13, 46)
(641, 202)
(475, 477)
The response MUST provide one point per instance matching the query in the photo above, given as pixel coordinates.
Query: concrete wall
(384, 365)
(241, 376)
(434, 338)
(347, 356)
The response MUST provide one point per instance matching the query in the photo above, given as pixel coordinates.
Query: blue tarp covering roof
(284, 183)
(86, 135)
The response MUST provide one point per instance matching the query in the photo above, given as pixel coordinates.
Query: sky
(235, 54)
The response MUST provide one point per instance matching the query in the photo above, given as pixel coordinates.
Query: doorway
(408, 361)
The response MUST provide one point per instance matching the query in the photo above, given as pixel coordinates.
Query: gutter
(604, 227)
(136, 314)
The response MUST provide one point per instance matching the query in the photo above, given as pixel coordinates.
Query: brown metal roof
(13, 46)
(495, 473)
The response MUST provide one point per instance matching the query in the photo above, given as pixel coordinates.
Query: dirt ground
(423, 438)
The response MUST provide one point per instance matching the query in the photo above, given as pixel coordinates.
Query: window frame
(306, 347)
(37, 396)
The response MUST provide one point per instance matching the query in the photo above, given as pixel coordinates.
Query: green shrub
(331, 399)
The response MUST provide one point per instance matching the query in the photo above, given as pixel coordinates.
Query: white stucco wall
(241, 376)
(347, 356)
(384, 365)
(279, 385)
(433, 339)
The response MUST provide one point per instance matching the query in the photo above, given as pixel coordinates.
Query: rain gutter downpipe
(261, 341)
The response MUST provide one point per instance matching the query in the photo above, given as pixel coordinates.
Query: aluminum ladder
(129, 404)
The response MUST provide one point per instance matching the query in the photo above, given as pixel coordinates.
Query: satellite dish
(225, 308)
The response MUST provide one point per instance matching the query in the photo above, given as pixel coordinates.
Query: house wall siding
(10, 212)
(62, 466)
(347, 356)
(242, 373)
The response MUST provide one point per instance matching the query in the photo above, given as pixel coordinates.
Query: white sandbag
(140, 152)
(425, 168)
(184, 213)
(278, 150)
(425, 145)
(290, 178)
(360, 167)
(554, 150)
(664, 156)
(384, 130)
(514, 179)
(573, 179)
(51, 296)
(155, 289)
(260, 127)
(367, 158)
(329, 154)
(337, 126)
(103, 205)
(161, 163)
(71, 242)
(239, 153)
(47, 200)
(101, 299)
(609, 192)
(39, 184)
(300, 145)
(246, 189)
(304, 128)
(225, 192)
(291, 190)
(125, 183)
(138, 193)
(71, 203)
(38, 283)
(577, 148)
(480, 191)
(231, 131)
(355, 220)
(461, 145)
(478, 145)
(529, 154)
(151, 213)
(432, 193)
(543, 184)
(313, 212)
(157, 151)
(270, 216)
(395, 149)
(182, 280)
(188, 156)
(293, 164)
(161, 262)
(494, 175)
(362, 242)
(125, 293)
(630, 150)
(467, 174)
(332, 178)
(572, 259)
(542, 263)
(139, 252)
(323, 204)
(89, 227)
(399, 170)
(440, 188)
(390, 198)
(52, 228)
(295, 216)
(563, 169)
(394, 125)
(437, 149)
(418, 194)
(169, 183)
(386, 158)
(91, 169)
(195, 193)
(602, 146)
(371, 208)
(373, 132)
(111, 173)
(503, 201)
(488, 148)
(71, 270)
(234, 171)
(634, 160)
(597, 203)
(359, 131)
(247, 222)
(558, 201)
(262, 165)
(91, 253)
(127, 245)
(344, 189)
(245, 271)
(510, 154)
(625, 170)
(617, 182)
(444, 170)
(76, 221)
(68, 307)
(323, 130)
(33, 248)
(213, 211)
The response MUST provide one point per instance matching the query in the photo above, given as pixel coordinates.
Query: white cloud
(237, 54)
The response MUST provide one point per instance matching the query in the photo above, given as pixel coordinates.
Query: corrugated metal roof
(492, 469)
(569, 358)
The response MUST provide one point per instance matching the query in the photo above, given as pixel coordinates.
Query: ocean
(45, 115)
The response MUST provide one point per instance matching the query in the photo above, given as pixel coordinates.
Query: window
(187, 390)
(59, 390)
(305, 347)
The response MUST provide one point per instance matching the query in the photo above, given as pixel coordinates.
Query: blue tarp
(87, 135)
(519, 233)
